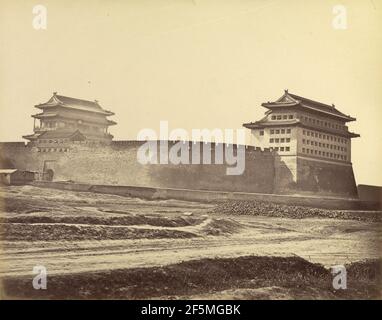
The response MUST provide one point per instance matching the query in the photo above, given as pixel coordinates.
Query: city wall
(116, 164)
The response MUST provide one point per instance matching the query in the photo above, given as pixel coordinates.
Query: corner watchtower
(311, 142)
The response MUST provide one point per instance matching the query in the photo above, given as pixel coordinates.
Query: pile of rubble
(261, 208)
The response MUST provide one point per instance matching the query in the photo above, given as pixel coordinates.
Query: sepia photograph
(190, 150)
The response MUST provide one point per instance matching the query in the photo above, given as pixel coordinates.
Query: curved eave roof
(60, 134)
(267, 124)
(279, 104)
(293, 100)
(44, 115)
(274, 105)
(44, 105)
(74, 103)
(31, 136)
(264, 124)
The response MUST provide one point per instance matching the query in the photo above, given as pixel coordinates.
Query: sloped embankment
(72, 228)
(255, 277)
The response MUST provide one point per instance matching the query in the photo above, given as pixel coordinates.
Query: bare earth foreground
(105, 246)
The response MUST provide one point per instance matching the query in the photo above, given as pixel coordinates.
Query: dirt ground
(76, 235)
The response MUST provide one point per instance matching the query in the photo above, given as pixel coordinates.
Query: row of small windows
(276, 131)
(280, 131)
(282, 117)
(54, 124)
(277, 140)
(324, 154)
(49, 124)
(323, 136)
(322, 123)
(280, 148)
(53, 141)
(52, 149)
(324, 145)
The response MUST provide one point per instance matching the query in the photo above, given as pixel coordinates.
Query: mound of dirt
(126, 220)
(261, 208)
(266, 293)
(57, 232)
(249, 276)
(217, 227)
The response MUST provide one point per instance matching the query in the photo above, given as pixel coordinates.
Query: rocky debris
(262, 208)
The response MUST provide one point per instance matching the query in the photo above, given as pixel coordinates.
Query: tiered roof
(73, 103)
(293, 100)
(57, 107)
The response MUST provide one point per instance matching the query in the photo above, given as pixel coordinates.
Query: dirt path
(325, 241)
(265, 236)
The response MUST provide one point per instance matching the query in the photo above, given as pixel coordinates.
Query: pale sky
(197, 64)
